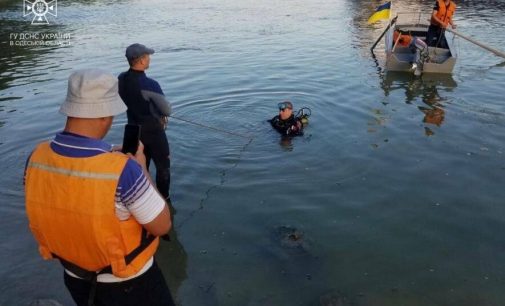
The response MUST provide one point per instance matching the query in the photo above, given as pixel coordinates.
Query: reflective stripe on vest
(81, 227)
(69, 172)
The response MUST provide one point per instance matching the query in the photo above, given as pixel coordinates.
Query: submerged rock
(290, 237)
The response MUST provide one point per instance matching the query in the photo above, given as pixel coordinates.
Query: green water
(395, 192)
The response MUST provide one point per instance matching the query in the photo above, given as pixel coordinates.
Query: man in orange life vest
(416, 45)
(95, 210)
(441, 18)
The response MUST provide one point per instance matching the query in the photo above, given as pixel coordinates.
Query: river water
(394, 195)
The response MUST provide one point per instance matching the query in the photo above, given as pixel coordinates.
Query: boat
(400, 58)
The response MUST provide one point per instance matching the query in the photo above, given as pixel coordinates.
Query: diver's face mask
(282, 106)
(285, 110)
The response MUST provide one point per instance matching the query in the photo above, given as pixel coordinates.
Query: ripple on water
(387, 194)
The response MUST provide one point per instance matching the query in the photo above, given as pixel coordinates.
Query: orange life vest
(71, 211)
(404, 39)
(444, 13)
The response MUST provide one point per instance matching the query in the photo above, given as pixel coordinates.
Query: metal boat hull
(399, 58)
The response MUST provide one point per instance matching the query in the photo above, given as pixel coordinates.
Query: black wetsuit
(289, 127)
(146, 107)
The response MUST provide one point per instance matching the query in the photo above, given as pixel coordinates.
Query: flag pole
(391, 10)
(375, 17)
(391, 22)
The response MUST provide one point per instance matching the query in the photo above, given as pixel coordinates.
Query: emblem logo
(39, 9)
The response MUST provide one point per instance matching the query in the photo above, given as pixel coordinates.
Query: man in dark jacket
(286, 123)
(148, 108)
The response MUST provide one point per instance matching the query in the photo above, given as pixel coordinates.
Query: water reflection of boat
(391, 80)
(400, 58)
(427, 88)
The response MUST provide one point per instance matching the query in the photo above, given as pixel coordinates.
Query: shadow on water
(286, 142)
(500, 65)
(173, 261)
(426, 88)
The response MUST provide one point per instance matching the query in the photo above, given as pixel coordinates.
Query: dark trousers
(436, 38)
(156, 148)
(148, 289)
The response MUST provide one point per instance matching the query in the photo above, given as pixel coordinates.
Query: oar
(495, 51)
(396, 43)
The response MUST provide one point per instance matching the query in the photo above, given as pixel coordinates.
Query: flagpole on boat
(495, 51)
(391, 22)
(383, 33)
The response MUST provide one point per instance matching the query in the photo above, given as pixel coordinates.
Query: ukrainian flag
(382, 12)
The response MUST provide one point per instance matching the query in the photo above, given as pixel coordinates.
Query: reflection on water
(172, 257)
(385, 213)
(173, 261)
(286, 143)
(426, 88)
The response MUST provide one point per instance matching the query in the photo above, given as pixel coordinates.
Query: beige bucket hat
(92, 93)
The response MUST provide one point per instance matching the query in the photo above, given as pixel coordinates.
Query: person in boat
(286, 122)
(416, 45)
(96, 210)
(441, 18)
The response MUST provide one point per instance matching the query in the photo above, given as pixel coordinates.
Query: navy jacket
(145, 100)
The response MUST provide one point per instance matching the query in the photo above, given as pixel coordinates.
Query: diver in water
(287, 123)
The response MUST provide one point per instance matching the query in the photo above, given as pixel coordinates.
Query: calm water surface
(394, 196)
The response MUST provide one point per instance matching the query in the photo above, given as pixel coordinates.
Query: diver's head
(285, 110)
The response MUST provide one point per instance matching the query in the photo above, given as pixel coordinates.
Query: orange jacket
(444, 13)
(71, 211)
(405, 39)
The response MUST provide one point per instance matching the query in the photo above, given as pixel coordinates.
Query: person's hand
(164, 121)
(139, 156)
(295, 128)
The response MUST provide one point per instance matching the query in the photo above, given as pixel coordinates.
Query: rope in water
(211, 127)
